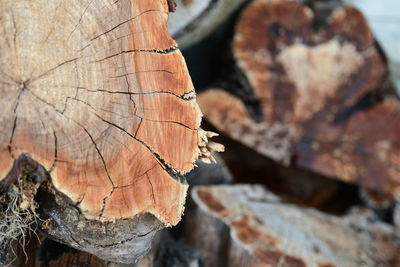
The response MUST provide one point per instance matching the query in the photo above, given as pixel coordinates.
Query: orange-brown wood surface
(98, 93)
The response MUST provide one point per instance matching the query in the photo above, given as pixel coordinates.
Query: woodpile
(105, 159)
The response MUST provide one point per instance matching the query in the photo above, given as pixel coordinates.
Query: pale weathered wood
(194, 20)
(245, 225)
(396, 216)
(98, 95)
(319, 91)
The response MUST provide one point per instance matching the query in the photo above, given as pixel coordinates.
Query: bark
(97, 97)
(311, 93)
(165, 252)
(246, 225)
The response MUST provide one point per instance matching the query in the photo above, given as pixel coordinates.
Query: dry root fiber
(18, 218)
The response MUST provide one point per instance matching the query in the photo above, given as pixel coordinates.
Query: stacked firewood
(101, 147)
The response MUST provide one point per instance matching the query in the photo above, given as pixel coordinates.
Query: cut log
(194, 20)
(312, 93)
(97, 97)
(245, 225)
(293, 184)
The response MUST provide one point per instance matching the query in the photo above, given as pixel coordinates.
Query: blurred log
(245, 225)
(209, 173)
(194, 20)
(376, 199)
(396, 216)
(311, 93)
(99, 106)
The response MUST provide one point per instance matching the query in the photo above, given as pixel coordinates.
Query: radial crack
(142, 71)
(80, 19)
(105, 168)
(152, 189)
(122, 23)
(14, 124)
(55, 151)
(166, 51)
(54, 68)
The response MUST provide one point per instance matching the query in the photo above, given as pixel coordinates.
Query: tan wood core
(98, 93)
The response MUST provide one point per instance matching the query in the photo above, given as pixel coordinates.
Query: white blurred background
(384, 18)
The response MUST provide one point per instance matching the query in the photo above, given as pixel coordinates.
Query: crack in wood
(166, 51)
(142, 118)
(14, 124)
(15, 31)
(166, 166)
(53, 165)
(105, 168)
(152, 189)
(126, 240)
(188, 96)
(124, 36)
(137, 178)
(163, 164)
(122, 23)
(129, 89)
(80, 19)
(54, 68)
(141, 71)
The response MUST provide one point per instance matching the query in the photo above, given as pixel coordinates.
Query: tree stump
(245, 225)
(99, 107)
(312, 93)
